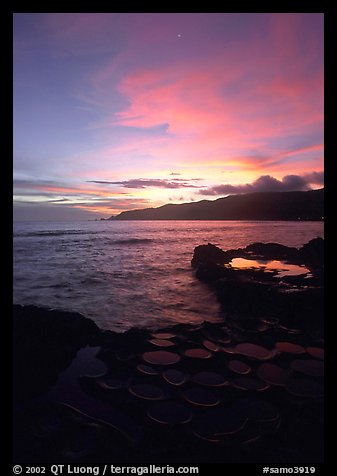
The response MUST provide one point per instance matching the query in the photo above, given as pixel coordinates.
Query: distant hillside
(251, 206)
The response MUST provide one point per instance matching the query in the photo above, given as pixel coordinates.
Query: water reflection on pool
(282, 268)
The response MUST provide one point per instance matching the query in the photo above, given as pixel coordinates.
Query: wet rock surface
(45, 342)
(247, 390)
(294, 298)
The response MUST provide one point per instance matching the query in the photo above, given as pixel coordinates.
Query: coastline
(228, 392)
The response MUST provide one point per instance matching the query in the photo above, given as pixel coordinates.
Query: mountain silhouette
(307, 205)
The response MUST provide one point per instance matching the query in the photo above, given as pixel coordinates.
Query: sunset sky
(121, 111)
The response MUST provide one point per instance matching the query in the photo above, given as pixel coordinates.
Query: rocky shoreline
(248, 293)
(247, 390)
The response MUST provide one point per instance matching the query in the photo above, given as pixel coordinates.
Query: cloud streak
(145, 183)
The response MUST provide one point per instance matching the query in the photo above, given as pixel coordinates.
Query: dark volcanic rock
(211, 272)
(272, 251)
(44, 343)
(312, 253)
(252, 370)
(116, 417)
(294, 300)
(209, 254)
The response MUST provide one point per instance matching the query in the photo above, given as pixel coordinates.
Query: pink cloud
(203, 120)
(197, 107)
(234, 94)
(223, 105)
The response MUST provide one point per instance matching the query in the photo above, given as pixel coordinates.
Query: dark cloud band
(144, 183)
(267, 183)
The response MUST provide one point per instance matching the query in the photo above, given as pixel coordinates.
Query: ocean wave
(132, 241)
(125, 274)
(54, 233)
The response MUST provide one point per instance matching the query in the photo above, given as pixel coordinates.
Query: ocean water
(132, 273)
